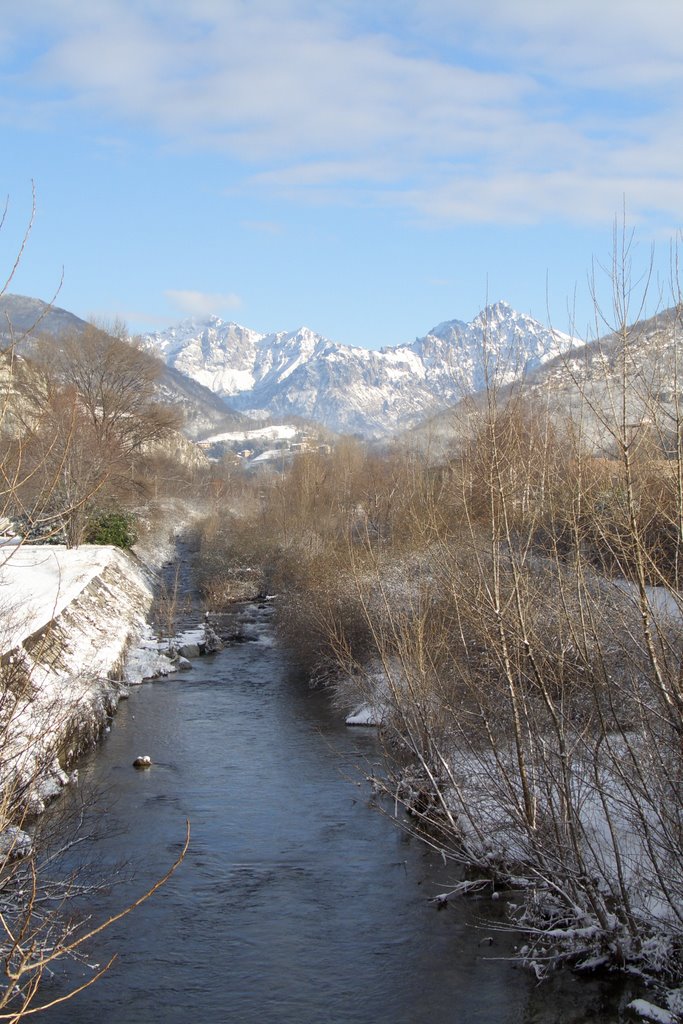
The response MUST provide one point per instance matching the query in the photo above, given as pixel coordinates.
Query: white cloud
(611, 44)
(266, 82)
(506, 112)
(202, 304)
(527, 197)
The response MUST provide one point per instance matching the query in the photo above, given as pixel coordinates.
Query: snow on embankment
(67, 617)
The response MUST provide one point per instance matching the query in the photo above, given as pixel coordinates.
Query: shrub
(115, 528)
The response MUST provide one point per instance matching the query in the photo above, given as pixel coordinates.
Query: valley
(494, 588)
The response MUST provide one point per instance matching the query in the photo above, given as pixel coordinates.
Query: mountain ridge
(221, 372)
(351, 389)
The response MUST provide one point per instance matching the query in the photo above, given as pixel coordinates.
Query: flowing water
(298, 902)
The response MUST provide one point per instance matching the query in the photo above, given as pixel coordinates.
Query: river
(299, 902)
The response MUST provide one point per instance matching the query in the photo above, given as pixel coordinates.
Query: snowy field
(283, 432)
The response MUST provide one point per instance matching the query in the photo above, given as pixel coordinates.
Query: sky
(368, 169)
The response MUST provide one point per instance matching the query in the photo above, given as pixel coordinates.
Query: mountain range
(357, 390)
(224, 375)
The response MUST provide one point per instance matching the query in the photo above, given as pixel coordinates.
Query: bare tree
(34, 939)
(88, 416)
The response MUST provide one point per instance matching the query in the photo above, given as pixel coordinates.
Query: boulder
(189, 651)
(14, 843)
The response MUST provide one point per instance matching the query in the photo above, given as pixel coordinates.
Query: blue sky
(368, 170)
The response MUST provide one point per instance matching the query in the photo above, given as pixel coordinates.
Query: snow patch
(71, 614)
(283, 432)
(366, 714)
(37, 582)
(651, 1012)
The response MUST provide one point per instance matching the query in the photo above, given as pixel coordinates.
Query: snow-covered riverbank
(68, 617)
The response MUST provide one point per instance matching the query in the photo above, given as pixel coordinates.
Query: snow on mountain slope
(499, 345)
(198, 350)
(352, 389)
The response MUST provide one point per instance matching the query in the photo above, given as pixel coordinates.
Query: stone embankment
(68, 617)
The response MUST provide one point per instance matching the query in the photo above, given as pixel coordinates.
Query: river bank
(80, 626)
(70, 616)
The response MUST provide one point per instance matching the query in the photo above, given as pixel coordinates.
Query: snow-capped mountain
(354, 389)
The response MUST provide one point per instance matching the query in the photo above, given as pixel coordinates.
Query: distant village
(264, 446)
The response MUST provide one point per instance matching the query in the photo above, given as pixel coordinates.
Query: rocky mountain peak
(350, 389)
